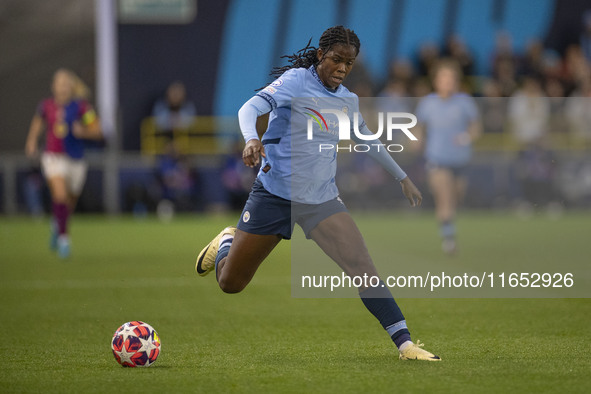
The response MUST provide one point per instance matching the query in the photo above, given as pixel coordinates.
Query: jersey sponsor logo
(246, 217)
(316, 118)
(277, 82)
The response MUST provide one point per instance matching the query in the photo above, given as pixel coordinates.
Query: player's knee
(231, 286)
(60, 198)
(59, 195)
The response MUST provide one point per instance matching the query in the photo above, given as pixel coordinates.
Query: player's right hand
(251, 155)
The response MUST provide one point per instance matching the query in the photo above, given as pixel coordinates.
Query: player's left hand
(78, 130)
(411, 192)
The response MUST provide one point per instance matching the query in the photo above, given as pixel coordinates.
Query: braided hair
(306, 56)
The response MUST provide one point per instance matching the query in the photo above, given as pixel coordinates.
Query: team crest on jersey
(345, 110)
(246, 217)
(60, 130)
(277, 82)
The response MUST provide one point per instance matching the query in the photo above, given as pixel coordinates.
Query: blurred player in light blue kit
(296, 182)
(448, 124)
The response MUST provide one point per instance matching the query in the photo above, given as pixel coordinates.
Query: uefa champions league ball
(136, 344)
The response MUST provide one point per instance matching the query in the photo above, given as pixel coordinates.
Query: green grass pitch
(57, 318)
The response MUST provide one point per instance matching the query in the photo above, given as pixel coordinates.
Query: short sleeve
(280, 92)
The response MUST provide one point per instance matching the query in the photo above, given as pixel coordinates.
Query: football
(136, 344)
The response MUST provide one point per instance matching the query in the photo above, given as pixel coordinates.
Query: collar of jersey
(312, 69)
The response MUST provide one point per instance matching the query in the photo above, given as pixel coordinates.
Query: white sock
(226, 237)
(404, 345)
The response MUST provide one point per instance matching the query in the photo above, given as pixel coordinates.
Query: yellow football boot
(414, 351)
(206, 259)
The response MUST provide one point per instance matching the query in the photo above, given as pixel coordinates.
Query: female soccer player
(68, 119)
(450, 122)
(235, 254)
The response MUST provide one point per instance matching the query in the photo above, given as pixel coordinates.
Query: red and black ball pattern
(136, 344)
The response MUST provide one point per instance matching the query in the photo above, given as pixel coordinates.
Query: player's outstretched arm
(475, 130)
(247, 118)
(379, 153)
(411, 192)
(35, 131)
(419, 132)
(91, 131)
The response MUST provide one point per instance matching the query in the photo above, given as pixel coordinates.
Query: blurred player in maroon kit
(68, 119)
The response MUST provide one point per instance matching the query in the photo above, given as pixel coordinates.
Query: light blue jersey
(444, 121)
(295, 168)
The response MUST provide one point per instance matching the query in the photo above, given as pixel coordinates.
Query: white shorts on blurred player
(61, 165)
